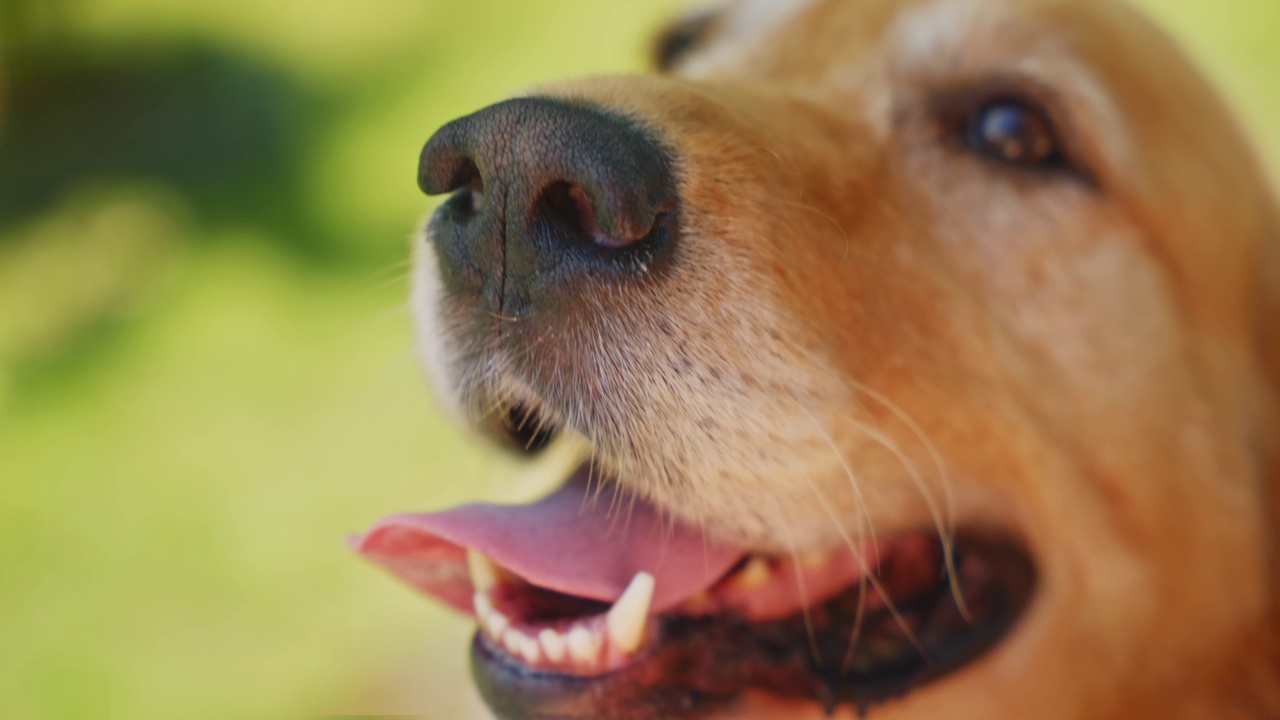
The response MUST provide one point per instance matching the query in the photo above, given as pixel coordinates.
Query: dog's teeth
(755, 574)
(498, 624)
(627, 617)
(584, 645)
(483, 607)
(484, 574)
(553, 644)
(493, 621)
(521, 645)
(490, 618)
(699, 604)
(530, 650)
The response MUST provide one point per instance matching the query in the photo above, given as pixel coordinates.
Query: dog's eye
(1014, 132)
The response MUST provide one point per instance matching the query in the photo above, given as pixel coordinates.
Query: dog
(925, 355)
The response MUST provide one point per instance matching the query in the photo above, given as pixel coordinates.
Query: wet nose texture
(547, 195)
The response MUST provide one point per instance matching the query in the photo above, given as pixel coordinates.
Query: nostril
(467, 175)
(468, 180)
(448, 162)
(467, 185)
(571, 210)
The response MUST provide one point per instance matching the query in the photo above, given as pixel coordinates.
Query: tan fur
(869, 331)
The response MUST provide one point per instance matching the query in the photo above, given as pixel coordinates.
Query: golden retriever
(926, 354)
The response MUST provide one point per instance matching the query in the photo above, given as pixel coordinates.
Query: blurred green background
(205, 369)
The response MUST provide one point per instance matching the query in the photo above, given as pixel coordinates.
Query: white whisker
(800, 585)
(946, 527)
(866, 571)
(848, 471)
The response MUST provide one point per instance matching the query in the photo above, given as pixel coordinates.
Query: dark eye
(1014, 132)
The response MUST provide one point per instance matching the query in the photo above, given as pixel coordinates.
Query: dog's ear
(683, 36)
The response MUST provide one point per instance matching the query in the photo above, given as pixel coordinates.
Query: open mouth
(588, 608)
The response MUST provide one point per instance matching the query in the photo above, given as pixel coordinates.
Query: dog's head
(925, 349)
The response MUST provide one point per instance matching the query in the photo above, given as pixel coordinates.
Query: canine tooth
(484, 574)
(584, 645)
(627, 617)
(553, 644)
(755, 573)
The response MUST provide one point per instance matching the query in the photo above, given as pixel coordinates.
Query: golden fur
(869, 330)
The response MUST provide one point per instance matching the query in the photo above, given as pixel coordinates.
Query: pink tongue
(569, 542)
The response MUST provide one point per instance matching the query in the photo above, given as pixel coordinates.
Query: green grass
(192, 418)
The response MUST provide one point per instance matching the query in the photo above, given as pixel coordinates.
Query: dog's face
(857, 274)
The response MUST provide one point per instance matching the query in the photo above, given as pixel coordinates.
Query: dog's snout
(545, 190)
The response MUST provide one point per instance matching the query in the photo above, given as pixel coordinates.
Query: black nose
(547, 193)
